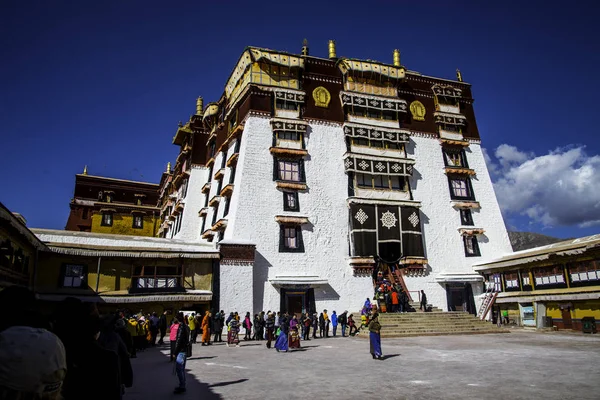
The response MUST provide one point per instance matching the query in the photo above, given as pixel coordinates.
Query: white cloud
(559, 188)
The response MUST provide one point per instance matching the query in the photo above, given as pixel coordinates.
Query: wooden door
(566, 317)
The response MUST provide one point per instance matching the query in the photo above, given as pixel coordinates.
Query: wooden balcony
(459, 171)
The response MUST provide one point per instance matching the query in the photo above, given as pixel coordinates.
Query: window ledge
(203, 211)
(459, 171)
(414, 262)
(454, 142)
(220, 173)
(289, 219)
(288, 151)
(205, 188)
(465, 204)
(207, 233)
(471, 231)
(210, 162)
(233, 159)
(214, 200)
(291, 185)
(220, 225)
(227, 190)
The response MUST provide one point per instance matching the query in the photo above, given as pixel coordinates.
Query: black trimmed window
(138, 221)
(471, 246)
(226, 208)
(286, 105)
(289, 170)
(460, 188)
(377, 144)
(450, 128)
(290, 201)
(214, 216)
(73, 276)
(291, 239)
(184, 188)
(466, 217)
(455, 158)
(288, 135)
(552, 276)
(381, 182)
(233, 120)
(212, 146)
(231, 174)
(107, 219)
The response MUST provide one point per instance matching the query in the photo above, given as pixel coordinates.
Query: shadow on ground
(152, 369)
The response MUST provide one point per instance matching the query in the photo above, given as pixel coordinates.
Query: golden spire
(199, 106)
(305, 47)
(332, 53)
(458, 75)
(169, 167)
(397, 58)
(85, 170)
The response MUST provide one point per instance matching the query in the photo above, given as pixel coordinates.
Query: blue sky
(104, 84)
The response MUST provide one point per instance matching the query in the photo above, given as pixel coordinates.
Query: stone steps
(432, 324)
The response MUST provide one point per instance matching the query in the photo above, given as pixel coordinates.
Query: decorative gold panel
(322, 97)
(417, 109)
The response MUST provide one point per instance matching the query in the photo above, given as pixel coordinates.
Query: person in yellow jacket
(192, 326)
(326, 318)
(132, 330)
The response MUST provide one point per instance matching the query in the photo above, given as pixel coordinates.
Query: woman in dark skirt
(375, 337)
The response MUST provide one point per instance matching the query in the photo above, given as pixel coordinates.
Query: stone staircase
(432, 324)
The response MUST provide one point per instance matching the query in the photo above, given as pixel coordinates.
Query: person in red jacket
(395, 301)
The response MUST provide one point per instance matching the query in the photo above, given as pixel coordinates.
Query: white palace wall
(256, 201)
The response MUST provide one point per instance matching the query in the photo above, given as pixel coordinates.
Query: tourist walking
(351, 325)
(315, 325)
(375, 337)
(306, 321)
(192, 326)
(281, 344)
(153, 329)
(423, 305)
(321, 325)
(206, 328)
(395, 301)
(248, 327)
(270, 325)
(294, 337)
(327, 321)
(182, 340)
(173, 337)
(334, 322)
(343, 321)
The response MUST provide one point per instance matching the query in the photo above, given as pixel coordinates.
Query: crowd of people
(87, 355)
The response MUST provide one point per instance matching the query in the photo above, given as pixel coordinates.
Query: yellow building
(115, 206)
(117, 272)
(19, 249)
(555, 285)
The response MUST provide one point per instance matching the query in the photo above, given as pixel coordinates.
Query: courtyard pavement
(518, 365)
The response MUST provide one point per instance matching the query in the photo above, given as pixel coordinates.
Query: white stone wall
(194, 200)
(440, 221)
(236, 291)
(256, 201)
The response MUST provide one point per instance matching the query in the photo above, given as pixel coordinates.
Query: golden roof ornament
(397, 58)
(169, 167)
(199, 106)
(304, 47)
(85, 170)
(459, 75)
(332, 53)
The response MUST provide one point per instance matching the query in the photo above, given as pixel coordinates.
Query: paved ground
(519, 365)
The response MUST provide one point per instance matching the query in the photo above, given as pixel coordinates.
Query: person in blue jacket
(334, 322)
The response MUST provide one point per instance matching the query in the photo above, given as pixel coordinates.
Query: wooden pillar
(531, 279)
(98, 274)
(566, 272)
(520, 278)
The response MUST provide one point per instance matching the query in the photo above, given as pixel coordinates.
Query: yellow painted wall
(583, 308)
(123, 225)
(115, 273)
